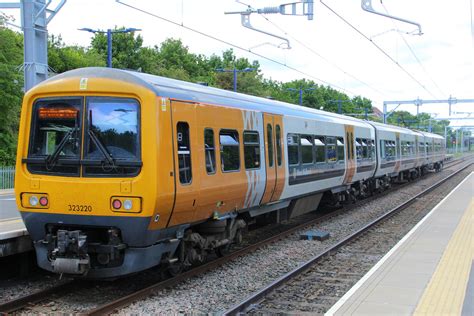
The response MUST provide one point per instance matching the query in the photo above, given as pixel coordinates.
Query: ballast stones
(314, 235)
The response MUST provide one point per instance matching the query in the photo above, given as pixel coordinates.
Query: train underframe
(77, 251)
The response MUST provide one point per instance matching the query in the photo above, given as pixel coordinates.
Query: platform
(429, 272)
(14, 238)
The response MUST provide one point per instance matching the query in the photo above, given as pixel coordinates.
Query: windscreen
(56, 136)
(87, 136)
(112, 135)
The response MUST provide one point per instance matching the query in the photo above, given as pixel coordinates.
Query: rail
(28, 300)
(259, 295)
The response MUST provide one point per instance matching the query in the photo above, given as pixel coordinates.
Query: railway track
(345, 255)
(71, 286)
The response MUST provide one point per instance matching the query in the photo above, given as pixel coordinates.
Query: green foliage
(125, 49)
(62, 58)
(174, 60)
(11, 83)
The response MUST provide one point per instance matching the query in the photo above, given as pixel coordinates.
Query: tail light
(126, 204)
(35, 200)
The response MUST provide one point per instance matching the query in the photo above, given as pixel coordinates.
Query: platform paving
(428, 271)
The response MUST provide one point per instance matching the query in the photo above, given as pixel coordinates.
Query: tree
(11, 83)
(62, 58)
(125, 48)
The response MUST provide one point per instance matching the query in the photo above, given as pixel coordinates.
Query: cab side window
(209, 151)
(184, 153)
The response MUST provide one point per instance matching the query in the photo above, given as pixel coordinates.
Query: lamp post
(300, 91)
(109, 33)
(235, 71)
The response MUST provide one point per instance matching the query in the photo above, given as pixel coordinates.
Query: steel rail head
(257, 296)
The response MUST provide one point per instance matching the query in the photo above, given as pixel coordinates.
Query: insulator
(269, 10)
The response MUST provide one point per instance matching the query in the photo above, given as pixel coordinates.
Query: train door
(351, 162)
(186, 162)
(398, 150)
(270, 157)
(279, 157)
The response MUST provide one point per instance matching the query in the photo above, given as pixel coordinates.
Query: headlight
(33, 200)
(126, 204)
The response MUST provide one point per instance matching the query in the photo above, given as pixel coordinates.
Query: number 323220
(79, 208)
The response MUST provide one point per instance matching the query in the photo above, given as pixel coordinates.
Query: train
(119, 171)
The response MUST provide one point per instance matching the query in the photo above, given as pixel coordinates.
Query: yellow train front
(94, 180)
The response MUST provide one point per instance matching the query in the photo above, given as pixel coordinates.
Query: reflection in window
(270, 144)
(252, 150)
(365, 149)
(56, 131)
(209, 151)
(230, 156)
(113, 124)
(278, 143)
(306, 148)
(340, 148)
(358, 148)
(331, 149)
(320, 144)
(184, 153)
(293, 141)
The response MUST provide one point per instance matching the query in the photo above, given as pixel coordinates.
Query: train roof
(181, 90)
(426, 134)
(395, 129)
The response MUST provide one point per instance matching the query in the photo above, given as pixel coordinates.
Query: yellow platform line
(446, 291)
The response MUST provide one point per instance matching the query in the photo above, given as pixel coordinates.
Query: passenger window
(209, 151)
(251, 150)
(306, 148)
(184, 153)
(340, 148)
(320, 144)
(278, 143)
(331, 149)
(372, 150)
(359, 148)
(293, 141)
(270, 144)
(369, 148)
(365, 150)
(230, 153)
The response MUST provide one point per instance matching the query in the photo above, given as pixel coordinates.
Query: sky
(327, 50)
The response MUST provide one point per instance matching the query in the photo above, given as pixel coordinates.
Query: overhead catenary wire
(379, 48)
(415, 56)
(321, 56)
(237, 47)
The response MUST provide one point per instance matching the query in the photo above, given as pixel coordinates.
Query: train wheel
(223, 250)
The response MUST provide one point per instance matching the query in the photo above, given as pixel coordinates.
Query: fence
(7, 177)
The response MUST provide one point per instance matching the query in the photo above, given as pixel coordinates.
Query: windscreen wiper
(102, 148)
(51, 159)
